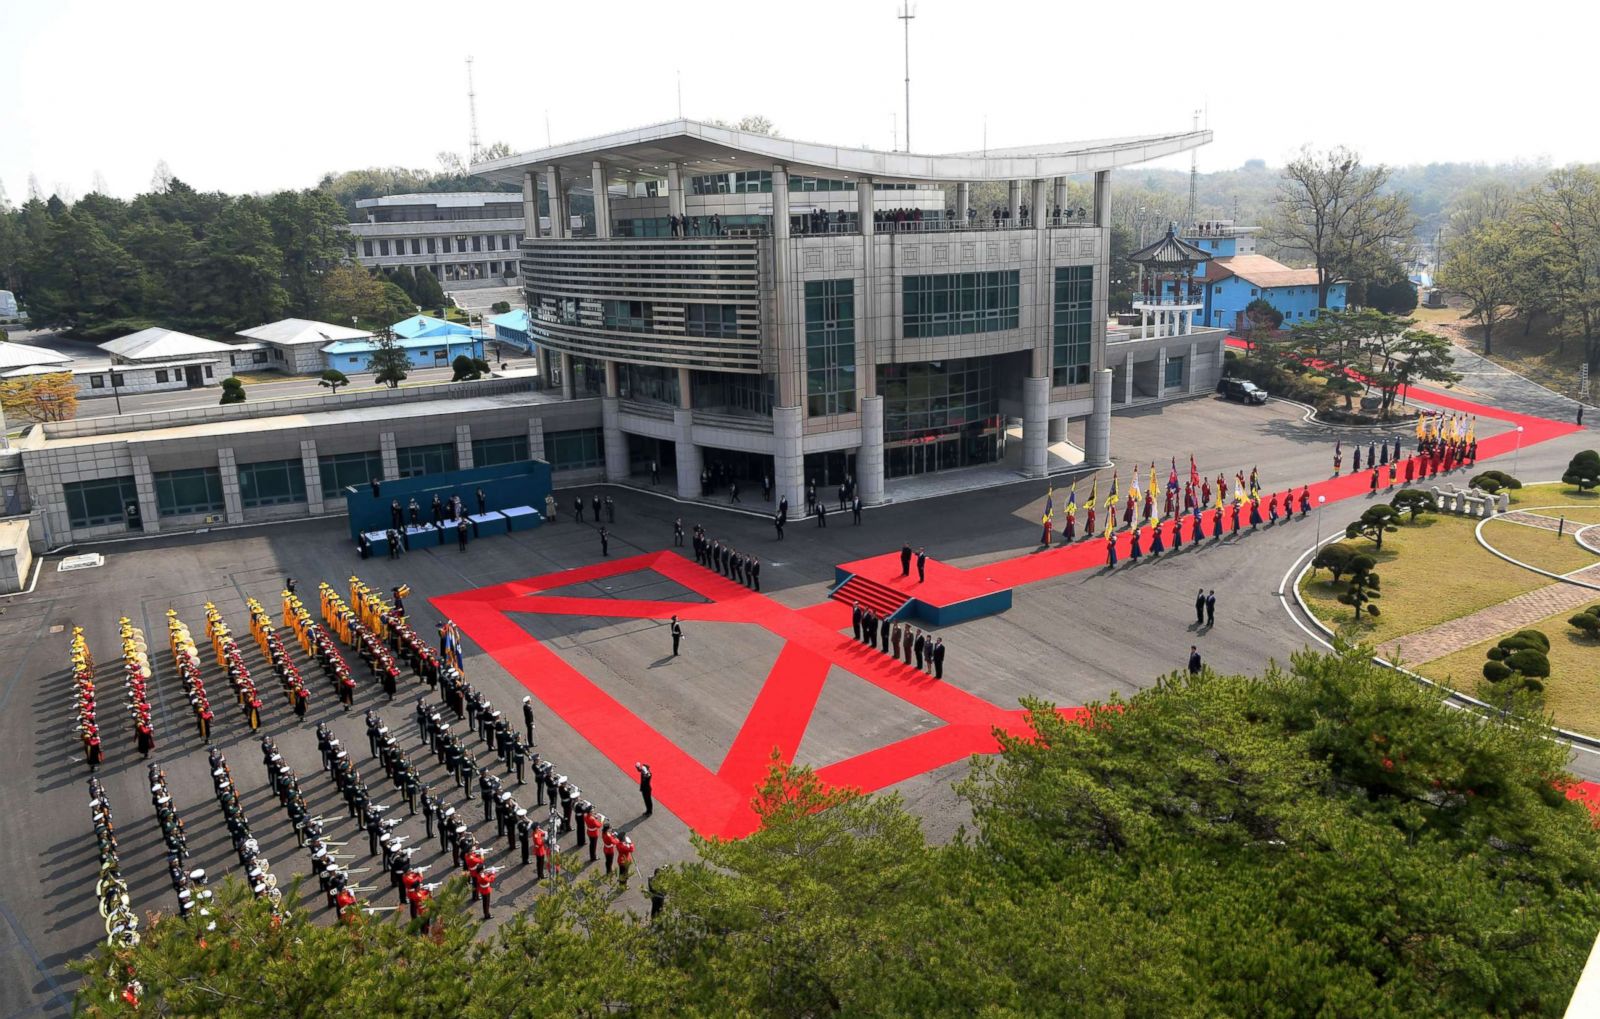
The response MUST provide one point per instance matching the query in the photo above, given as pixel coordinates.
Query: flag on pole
(1194, 472)
(1133, 487)
(1094, 493)
(1113, 499)
(1152, 488)
(1049, 503)
(1172, 477)
(1472, 429)
(1422, 428)
(1072, 500)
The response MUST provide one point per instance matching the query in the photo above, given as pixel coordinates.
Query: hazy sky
(256, 97)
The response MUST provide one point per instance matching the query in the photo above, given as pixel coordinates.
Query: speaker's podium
(510, 493)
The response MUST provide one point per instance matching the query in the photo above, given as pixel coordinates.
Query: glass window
(490, 452)
(341, 470)
(830, 347)
(1174, 373)
(272, 483)
(97, 503)
(959, 303)
(713, 320)
(116, 379)
(197, 490)
(97, 382)
(584, 447)
(436, 458)
(161, 375)
(1074, 324)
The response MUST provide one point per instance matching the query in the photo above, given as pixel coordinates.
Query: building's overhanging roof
(643, 154)
(1170, 250)
(442, 199)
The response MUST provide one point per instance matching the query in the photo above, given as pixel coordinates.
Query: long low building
(816, 313)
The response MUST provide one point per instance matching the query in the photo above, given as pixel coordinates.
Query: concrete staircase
(880, 598)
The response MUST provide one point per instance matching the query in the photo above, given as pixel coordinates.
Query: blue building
(512, 329)
(428, 343)
(1235, 275)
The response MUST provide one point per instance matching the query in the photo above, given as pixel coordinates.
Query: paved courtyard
(757, 671)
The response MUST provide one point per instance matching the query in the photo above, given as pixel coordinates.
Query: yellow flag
(1152, 486)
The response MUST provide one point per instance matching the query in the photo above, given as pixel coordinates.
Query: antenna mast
(907, 13)
(472, 113)
(1194, 175)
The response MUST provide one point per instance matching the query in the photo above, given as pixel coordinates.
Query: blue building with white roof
(512, 329)
(428, 343)
(1235, 275)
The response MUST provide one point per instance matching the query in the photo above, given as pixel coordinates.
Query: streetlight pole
(1320, 500)
(1517, 456)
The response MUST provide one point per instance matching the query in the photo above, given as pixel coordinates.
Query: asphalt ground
(1070, 639)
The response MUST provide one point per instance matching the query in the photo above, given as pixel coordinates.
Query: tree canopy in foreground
(1325, 839)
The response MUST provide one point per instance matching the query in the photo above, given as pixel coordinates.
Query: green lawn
(1544, 549)
(1431, 571)
(1553, 495)
(1570, 692)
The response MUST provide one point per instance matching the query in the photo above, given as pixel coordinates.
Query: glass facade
(938, 415)
(735, 392)
(583, 447)
(197, 490)
(490, 452)
(98, 503)
(272, 483)
(1174, 376)
(714, 320)
(647, 382)
(341, 470)
(434, 458)
(830, 347)
(957, 303)
(1074, 324)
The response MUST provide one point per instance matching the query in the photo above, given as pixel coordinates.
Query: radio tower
(472, 113)
(1194, 173)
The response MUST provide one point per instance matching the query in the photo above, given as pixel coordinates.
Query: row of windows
(511, 208)
(647, 382)
(830, 347)
(1074, 324)
(493, 452)
(272, 483)
(101, 502)
(954, 304)
(196, 490)
(426, 245)
(760, 182)
(435, 458)
(934, 398)
(583, 447)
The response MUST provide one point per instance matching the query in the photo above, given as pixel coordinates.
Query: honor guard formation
(487, 762)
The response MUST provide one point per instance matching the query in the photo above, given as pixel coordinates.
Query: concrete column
(144, 483)
(602, 201)
(675, 203)
(1058, 430)
(616, 443)
(1014, 201)
(1059, 193)
(963, 201)
(869, 457)
(313, 472)
(566, 375)
(390, 454)
(464, 460)
(1127, 380)
(530, 204)
(611, 377)
(557, 201)
(228, 471)
(686, 454)
(868, 299)
(1097, 431)
(1035, 407)
(788, 310)
(1161, 372)
(1189, 366)
(685, 388)
(1102, 199)
(788, 466)
(536, 438)
(1041, 209)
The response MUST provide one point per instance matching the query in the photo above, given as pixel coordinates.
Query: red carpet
(718, 804)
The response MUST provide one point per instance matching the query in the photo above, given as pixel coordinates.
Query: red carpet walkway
(718, 803)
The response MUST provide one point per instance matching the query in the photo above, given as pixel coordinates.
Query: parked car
(1241, 390)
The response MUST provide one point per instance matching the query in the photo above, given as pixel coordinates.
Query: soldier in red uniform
(541, 853)
(608, 839)
(344, 902)
(593, 822)
(624, 859)
(482, 883)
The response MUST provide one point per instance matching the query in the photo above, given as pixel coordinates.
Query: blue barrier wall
(524, 483)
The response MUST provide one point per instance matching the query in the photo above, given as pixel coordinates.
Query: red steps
(880, 598)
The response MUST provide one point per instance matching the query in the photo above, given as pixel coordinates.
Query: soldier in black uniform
(519, 757)
(580, 813)
(645, 788)
(527, 718)
(569, 795)
(524, 833)
(427, 811)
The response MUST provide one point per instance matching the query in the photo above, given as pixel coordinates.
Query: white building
(294, 345)
(466, 239)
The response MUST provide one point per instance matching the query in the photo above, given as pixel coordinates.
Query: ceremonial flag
(1422, 428)
(1072, 500)
(1472, 429)
(1133, 487)
(1152, 488)
(1110, 526)
(1113, 498)
(1172, 478)
(1049, 503)
(1094, 493)
(1194, 472)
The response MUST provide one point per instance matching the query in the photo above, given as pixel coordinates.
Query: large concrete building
(815, 312)
(465, 239)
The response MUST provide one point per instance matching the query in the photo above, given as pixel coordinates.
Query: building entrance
(642, 450)
(829, 470)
